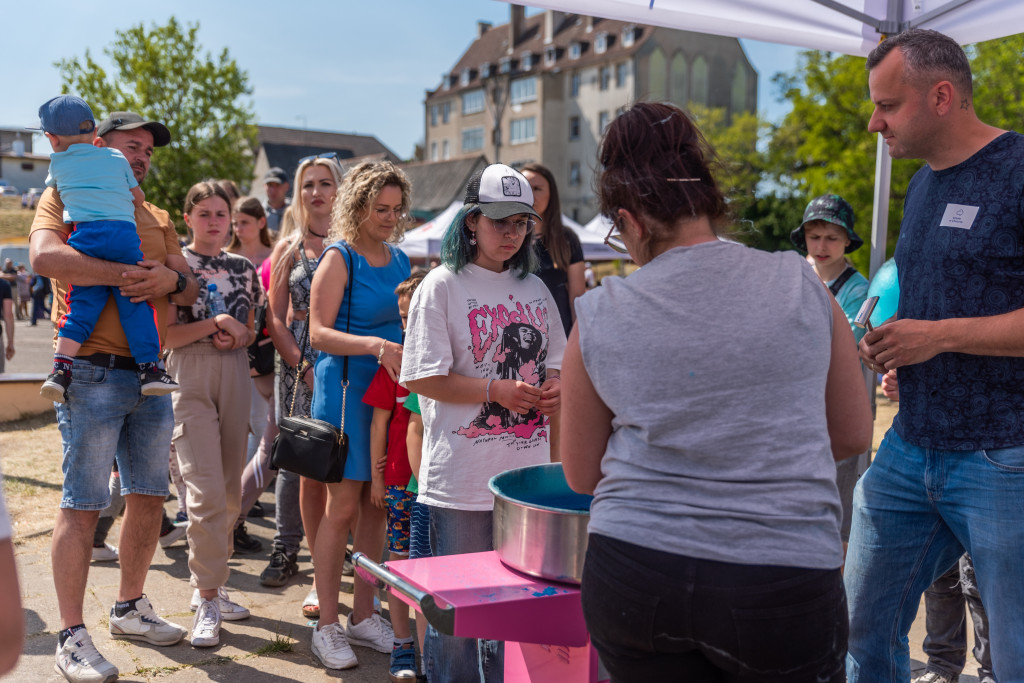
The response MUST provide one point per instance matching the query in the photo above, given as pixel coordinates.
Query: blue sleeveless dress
(374, 314)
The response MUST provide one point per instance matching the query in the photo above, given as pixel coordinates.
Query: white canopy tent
(425, 240)
(848, 26)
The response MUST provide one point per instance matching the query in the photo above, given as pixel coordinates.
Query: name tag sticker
(959, 216)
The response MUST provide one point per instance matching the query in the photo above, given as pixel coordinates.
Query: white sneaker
(80, 662)
(143, 623)
(229, 611)
(105, 553)
(206, 624)
(372, 632)
(173, 536)
(331, 647)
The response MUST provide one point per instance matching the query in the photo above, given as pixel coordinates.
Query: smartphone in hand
(863, 318)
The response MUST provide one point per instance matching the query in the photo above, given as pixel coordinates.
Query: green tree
(162, 74)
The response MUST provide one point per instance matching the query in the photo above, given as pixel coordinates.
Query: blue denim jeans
(107, 417)
(449, 659)
(916, 510)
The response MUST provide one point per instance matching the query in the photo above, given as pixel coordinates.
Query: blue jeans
(916, 510)
(106, 417)
(447, 658)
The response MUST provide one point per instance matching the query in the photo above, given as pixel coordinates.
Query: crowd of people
(715, 453)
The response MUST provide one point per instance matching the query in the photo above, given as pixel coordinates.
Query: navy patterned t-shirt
(960, 255)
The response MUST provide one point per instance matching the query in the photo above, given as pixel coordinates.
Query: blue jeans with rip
(916, 510)
(448, 658)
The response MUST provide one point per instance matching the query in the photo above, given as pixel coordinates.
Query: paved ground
(243, 653)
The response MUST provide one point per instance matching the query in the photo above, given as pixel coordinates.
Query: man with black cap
(107, 417)
(276, 183)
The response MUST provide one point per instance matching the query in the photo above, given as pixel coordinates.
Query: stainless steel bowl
(540, 524)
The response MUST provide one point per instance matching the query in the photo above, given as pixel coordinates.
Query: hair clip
(683, 180)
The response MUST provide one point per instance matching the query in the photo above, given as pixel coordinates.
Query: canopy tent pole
(880, 215)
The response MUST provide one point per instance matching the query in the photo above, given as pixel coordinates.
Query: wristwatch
(182, 283)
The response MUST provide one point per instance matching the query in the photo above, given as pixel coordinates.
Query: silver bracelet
(380, 354)
(488, 390)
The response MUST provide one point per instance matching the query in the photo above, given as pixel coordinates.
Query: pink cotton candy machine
(540, 524)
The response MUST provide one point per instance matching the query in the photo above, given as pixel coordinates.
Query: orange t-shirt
(158, 240)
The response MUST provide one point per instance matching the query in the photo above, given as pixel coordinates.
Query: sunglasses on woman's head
(325, 155)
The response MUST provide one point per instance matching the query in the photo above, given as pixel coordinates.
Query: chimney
(482, 27)
(589, 24)
(552, 20)
(516, 25)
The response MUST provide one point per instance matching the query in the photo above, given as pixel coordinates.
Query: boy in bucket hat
(100, 193)
(826, 235)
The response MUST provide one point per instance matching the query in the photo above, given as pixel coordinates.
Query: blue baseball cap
(64, 115)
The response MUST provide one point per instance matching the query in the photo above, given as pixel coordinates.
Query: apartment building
(543, 88)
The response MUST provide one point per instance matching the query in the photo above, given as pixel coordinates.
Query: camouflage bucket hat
(830, 208)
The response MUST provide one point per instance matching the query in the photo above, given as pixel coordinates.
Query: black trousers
(655, 616)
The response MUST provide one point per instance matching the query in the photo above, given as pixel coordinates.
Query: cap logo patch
(510, 186)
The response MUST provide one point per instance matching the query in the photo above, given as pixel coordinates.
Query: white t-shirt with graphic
(479, 323)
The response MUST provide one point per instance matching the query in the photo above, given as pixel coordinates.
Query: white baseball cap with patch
(501, 191)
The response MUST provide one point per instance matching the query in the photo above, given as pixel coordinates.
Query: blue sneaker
(403, 663)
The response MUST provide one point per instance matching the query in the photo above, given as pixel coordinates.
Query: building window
(472, 139)
(657, 75)
(739, 90)
(524, 90)
(575, 50)
(574, 128)
(465, 77)
(628, 36)
(601, 43)
(527, 60)
(602, 122)
(485, 70)
(550, 55)
(447, 81)
(606, 77)
(433, 115)
(505, 65)
(574, 85)
(620, 111)
(522, 130)
(699, 94)
(621, 74)
(446, 111)
(446, 152)
(574, 173)
(677, 79)
(433, 151)
(472, 102)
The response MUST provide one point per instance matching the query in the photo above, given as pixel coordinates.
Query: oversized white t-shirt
(479, 323)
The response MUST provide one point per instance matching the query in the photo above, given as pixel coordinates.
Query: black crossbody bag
(306, 446)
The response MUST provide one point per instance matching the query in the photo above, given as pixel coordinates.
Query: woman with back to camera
(356, 332)
(294, 261)
(714, 547)
(483, 350)
(558, 249)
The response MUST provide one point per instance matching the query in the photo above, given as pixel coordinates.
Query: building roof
(493, 45)
(436, 184)
(347, 145)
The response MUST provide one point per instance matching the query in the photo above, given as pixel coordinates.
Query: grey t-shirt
(713, 360)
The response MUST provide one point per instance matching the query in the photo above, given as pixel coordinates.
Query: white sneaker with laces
(173, 536)
(79, 661)
(372, 632)
(105, 553)
(331, 647)
(229, 611)
(206, 624)
(936, 677)
(143, 623)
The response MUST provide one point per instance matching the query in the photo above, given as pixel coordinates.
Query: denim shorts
(107, 417)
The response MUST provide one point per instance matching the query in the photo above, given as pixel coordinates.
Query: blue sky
(341, 65)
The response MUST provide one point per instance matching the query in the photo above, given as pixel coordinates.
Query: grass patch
(279, 645)
(14, 220)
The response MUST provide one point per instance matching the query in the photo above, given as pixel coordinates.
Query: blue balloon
(886, 286)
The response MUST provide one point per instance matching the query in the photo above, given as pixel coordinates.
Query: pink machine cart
(477, 596)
